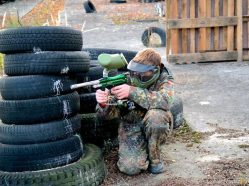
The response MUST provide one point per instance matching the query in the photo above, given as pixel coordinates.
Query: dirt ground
(213, 147)
(188, 163)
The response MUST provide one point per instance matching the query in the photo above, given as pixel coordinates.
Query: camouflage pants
(139, 143)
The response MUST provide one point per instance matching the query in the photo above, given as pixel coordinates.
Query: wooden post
(192, 30)
(174, 32)
(202, 35)
(224, 40)
(239, 31)
(216, 29)
(248, 26)
(230, 29)
(208, 45)
(184, 30)
(168, 32)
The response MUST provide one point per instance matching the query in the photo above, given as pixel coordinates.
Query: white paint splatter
(37, 50)
(65, 70)
(66, 108)
(57, 86)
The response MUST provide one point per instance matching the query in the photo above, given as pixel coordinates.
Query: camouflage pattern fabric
(157, 126)
(144, 129)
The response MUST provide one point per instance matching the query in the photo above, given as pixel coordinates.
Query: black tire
(17, 158)
(89, 7)
(34, 86)
(177, 111)
(39, 133)
(95, 52)
(94, 63)
(46, 63)
(97, 131)
(39, 110)
(88, 103)
(43, 38)
(149, 31)
(89, 170)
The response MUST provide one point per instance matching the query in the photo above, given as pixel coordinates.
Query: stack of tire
(39, 111)
(104, 132)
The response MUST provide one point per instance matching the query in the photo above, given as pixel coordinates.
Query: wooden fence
(207, 30)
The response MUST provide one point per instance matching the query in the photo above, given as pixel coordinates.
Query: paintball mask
(143, 75)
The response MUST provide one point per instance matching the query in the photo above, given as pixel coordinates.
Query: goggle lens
(143, 76)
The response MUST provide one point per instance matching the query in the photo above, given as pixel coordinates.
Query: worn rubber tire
(177, 111)
(39, 133)
(98, 131)
(94, 63)
(39, 110)
(147, 33)
(34, 86)
(31, 157)
(89, 7)
(42, 38)
(88, 103)
(46, 63)
(89, 170)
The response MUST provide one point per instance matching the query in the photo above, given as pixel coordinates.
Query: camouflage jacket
(158, 96)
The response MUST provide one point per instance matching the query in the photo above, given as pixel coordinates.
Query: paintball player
(145, 127)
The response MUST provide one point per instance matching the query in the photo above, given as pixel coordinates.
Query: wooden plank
(220, 28)
(174, 32)
(239, 30)
(204, 57)
(202, 22)
(202, 34)
(246, 57)
(247, 25)
(247, 29)
(168, 32)
(225, 9)
(184, 31)
(208, 44)
(216, 29)
(192, 31)
(230, 29)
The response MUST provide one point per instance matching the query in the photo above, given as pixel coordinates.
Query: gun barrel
(90, 83)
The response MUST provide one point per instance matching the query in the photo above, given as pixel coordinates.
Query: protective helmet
(139, 74)
(145, 61)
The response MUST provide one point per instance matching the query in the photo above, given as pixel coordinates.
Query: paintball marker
(110, 62)
(105, 82)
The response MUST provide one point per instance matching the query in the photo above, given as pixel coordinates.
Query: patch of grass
(243, 146)
(243, 180)
(185, 134)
